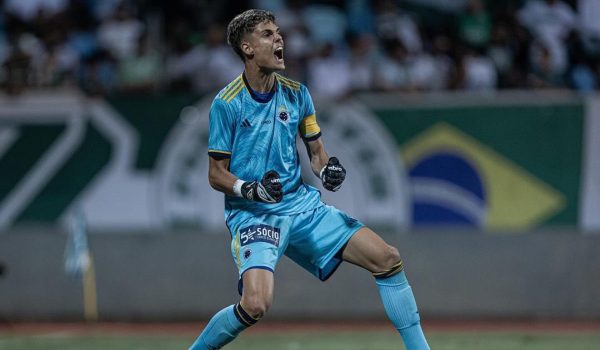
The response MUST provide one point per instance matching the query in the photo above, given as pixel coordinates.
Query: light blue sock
(220, 330)
(401, 309)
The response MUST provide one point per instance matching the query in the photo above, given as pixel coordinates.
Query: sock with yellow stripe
(224, 327)
(401, 307)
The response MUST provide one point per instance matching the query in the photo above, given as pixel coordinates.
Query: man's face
(265, 44)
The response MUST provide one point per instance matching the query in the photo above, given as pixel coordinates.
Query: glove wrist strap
(237, 187)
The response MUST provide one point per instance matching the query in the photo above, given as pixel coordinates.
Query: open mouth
(278, 53)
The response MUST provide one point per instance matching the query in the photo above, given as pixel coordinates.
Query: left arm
(329, 170)
(318, 155)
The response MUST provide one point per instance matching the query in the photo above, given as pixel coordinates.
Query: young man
(269, 211)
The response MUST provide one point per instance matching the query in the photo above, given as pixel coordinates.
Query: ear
(247, 49)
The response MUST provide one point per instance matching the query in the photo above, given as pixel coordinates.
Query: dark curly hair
(243, 24)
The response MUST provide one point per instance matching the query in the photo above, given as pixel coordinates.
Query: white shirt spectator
(480, 73)
(392, 74)
(550, 23)
(27, 10)
(187, 63)
(399, 26)
(222, 66)
(589, 15)
(589, 12)
(121, 37)
(329, 77)
(548, 20)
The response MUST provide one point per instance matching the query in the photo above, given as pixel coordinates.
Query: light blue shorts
(313, 239)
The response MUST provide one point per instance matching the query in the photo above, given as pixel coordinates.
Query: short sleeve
(309, 129)
(221, 127)
(307, 106)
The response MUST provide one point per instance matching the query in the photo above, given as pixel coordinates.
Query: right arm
(221, 125)
(267, 190)
(219, 176)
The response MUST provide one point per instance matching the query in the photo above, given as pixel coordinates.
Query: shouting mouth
(278, 53)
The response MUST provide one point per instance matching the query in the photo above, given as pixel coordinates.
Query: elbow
(212, 180)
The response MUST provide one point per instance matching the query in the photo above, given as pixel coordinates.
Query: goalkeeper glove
(268, 190)
(332, 175)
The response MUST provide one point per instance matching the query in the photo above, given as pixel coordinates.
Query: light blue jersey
(258, 134)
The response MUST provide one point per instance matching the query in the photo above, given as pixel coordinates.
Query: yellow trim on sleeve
(234, 93)
(309, 126)
(292, 84)
(234, 84)
(217, 151)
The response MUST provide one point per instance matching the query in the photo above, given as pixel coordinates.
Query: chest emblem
(282, 114)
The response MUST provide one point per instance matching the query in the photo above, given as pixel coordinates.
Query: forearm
(267, 190)
(318, 157)
(222, 180)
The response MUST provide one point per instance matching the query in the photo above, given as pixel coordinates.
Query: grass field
(306, 340)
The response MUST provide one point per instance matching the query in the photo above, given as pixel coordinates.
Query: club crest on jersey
(283, 114)
(247, 253)
(260, 233)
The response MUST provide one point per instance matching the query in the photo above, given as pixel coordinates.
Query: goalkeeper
(269, 210)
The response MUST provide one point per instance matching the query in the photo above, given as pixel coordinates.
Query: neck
(259, 80)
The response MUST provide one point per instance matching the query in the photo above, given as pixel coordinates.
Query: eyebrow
(270, 30)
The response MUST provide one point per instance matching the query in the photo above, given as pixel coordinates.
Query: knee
(256, 305)
(389, 258)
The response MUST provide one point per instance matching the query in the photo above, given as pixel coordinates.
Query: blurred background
(470, 130)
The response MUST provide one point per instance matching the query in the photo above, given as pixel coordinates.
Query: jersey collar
(257, 96)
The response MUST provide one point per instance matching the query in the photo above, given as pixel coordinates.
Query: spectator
(392, 72)
(550, 22)
(326, 24)
(222, 65)
(30, 10)
(17, 68)
(581, 76)
(360, 17)
(477, 72)
(104, 45)
(444, 65)
(121, 33)
(329, 74)
(474, 26)
(56, 61)
(362, 61)
(140, 73)
(392, 25)
(544, 72)
(502, 52)
(589, 13)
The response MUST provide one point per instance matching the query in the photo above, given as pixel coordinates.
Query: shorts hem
(331, 256)
(241, 278)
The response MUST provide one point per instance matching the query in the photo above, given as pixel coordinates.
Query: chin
(275, 68)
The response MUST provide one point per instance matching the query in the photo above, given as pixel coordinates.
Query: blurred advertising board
(502, 162)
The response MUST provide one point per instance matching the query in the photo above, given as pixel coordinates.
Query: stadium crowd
(335, 47)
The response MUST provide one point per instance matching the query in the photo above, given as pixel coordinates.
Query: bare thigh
(368, 250)
(257, 295)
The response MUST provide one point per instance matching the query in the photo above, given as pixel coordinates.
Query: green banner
(501, 166)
